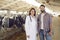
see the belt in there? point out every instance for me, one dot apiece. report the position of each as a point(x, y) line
point(41, 30)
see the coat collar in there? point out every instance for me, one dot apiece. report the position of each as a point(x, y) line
point(44, 12)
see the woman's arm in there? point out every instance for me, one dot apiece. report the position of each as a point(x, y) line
point(27, 26)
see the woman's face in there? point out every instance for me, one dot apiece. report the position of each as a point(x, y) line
point(32, 12)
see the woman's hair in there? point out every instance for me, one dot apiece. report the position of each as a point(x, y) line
point(31, 10)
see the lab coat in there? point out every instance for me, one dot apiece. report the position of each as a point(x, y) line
point(31, 28)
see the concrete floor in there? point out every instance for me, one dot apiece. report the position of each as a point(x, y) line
point(56, 28)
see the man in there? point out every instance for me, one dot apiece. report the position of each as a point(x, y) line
point(44, 24)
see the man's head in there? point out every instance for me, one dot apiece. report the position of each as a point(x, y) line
point(42, 8)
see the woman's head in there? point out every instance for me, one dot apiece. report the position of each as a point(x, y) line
point(32, 12)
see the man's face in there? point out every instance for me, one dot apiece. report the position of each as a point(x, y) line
point(42, 8)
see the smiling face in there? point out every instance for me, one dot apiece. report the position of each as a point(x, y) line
point(32, 12)
point(42, 8)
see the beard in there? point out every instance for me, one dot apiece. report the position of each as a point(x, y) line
point(42, 11)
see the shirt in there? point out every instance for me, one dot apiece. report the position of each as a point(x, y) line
point(42, 15)
point(47, 20)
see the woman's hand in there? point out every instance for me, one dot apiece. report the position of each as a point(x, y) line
point(37, 34)
point(28, 36)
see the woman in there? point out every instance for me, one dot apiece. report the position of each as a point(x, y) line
point(31, 25)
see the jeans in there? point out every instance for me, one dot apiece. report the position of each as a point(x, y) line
point(44, 37)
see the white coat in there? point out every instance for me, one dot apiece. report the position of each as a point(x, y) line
point(31, 27)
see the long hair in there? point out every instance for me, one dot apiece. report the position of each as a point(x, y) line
point(31, 10)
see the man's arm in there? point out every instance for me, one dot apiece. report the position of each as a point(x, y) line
point(50, 22)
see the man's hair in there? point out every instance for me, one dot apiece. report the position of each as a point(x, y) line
point(42, 5)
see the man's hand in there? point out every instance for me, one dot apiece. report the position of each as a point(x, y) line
point(50, 33)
